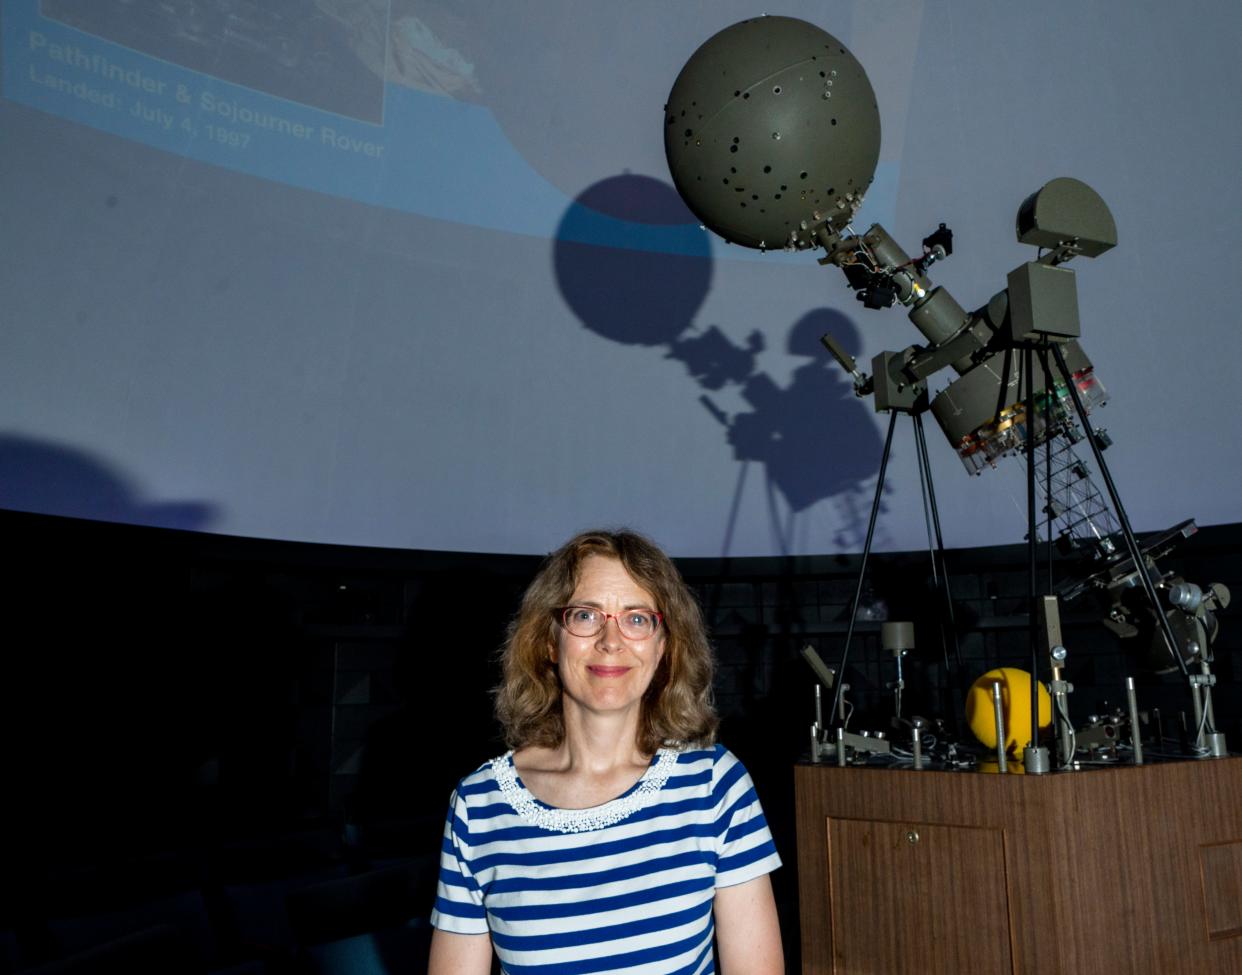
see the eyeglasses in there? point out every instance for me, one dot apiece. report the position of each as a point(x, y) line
point(634, 624)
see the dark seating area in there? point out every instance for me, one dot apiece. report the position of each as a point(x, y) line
point(300, 902)
point(234, 755)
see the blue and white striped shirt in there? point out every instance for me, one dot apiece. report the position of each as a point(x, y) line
point(623, 887)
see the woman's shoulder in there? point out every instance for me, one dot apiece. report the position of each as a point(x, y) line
point(726, 773)
point(714, 755)
point(483, 780)
point(714, 763)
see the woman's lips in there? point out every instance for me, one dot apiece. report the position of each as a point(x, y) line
point(599, 671)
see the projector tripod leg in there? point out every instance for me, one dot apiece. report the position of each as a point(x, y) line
point(1035, 757)
point(862, 568)
point(940, 576)
point(1136, 554)
point(940, 573)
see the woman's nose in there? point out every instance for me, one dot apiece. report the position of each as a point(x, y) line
point(610, 636)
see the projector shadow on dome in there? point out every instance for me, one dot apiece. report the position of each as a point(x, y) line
point(57, 480)
point(813, 438)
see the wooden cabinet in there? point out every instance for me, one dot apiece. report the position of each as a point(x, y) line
point(1122, 869)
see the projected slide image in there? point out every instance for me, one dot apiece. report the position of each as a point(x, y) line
point(328, 54)
point(420, 57)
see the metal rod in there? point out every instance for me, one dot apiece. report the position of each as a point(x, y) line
point(1136, 737)
point(1196, 699)
point(998, 715)
point(1206, 670)
point(1049, 399)
point(1140, 567)
point(1060, 717)
point(862, 568)
point(898, 685)
point(1032, 543)
point(949, 622)
point(921, 459)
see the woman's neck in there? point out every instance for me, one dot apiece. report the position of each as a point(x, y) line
point(597, 760)
point(598, 743)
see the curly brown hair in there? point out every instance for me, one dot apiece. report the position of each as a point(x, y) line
point(677, 707)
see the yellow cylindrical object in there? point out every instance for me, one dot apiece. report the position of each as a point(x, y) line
point(1015, 708)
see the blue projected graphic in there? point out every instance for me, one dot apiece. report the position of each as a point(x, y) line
point(424, 153)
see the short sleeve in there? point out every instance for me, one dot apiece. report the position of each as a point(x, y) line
point(744, 843)
point(459, 900)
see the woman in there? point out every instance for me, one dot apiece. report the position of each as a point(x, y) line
point(614, 833)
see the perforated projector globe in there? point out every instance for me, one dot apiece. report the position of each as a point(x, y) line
point(772, 126)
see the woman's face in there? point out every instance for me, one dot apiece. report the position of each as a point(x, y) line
point(607, 672)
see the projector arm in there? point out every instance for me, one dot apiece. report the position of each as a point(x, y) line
point(883, 274)
point(1065, 216)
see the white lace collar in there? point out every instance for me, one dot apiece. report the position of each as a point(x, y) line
point(582, 820)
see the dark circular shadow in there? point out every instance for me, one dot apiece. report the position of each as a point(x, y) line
point(634, 297)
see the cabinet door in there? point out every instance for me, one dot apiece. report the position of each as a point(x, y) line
point(916, 898)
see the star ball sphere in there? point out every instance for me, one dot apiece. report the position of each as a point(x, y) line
point(771, 127)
